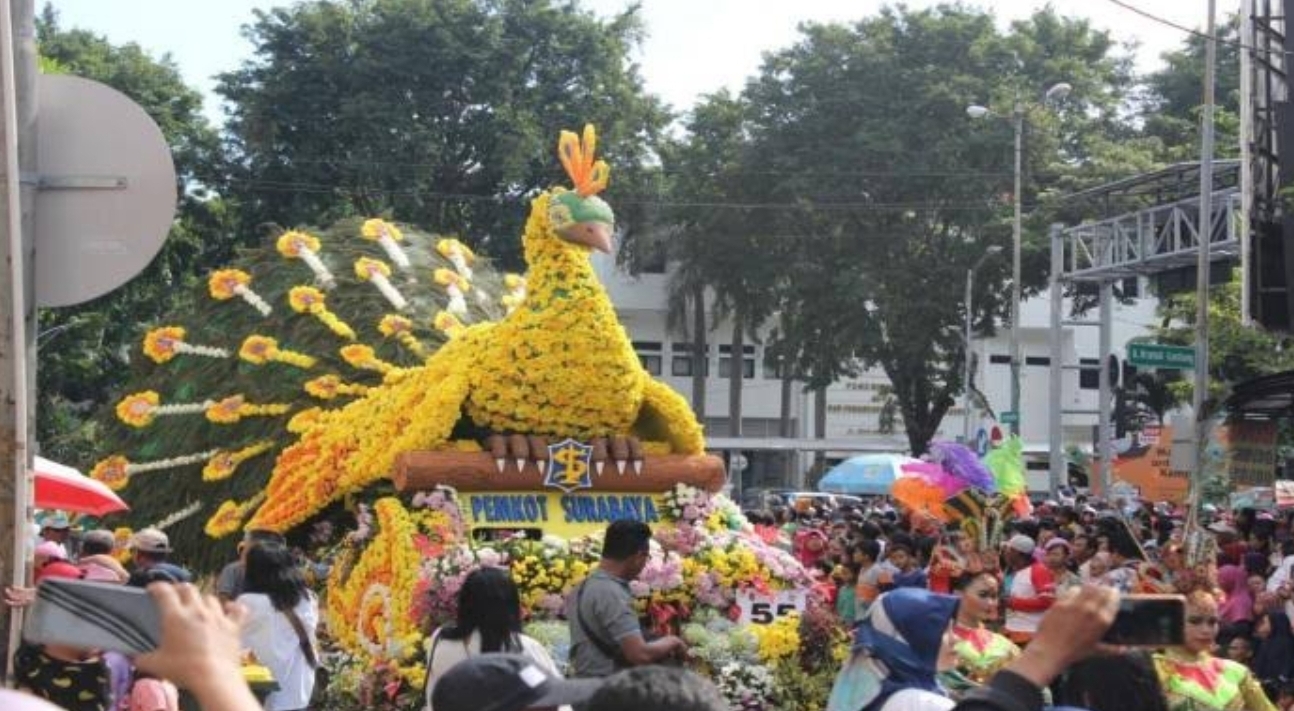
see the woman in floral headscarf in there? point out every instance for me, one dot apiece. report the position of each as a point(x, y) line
point(899, 647)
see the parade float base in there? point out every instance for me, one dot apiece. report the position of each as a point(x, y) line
point(562, 503)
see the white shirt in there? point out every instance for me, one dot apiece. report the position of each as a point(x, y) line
point(271, 637)
point(1281, 575)
point(917, 700)
point(449, 652)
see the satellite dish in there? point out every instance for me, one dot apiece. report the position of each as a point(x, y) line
point(107, 191)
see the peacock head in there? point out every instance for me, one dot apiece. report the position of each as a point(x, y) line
point(579, 216)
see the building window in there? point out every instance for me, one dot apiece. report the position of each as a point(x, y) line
point(649, 354)
point(651, 363)
point(747, 362)
point(1000, 359)
point(1131, 287)
point(1037, 360)
point(772, 368)
point(1089, 378)
point(681, 360)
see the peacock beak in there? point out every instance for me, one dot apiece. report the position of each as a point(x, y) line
point(593, 234)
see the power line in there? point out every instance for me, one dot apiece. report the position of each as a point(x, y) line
point(1192, 31)
point(810, 175)
point(272, 186)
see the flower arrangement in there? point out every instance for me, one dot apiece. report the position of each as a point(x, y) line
point(691, 593)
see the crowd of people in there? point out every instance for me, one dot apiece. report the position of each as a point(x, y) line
point(940, 619)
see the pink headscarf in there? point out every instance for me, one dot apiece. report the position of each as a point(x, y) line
point(1239, 604)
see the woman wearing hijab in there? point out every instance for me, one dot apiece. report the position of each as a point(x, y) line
point(1274, 662)
point(1236, 612)
point(899, 646)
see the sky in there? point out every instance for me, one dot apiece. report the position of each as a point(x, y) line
point(693, 46)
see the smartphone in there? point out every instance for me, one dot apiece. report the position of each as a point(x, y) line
point(93, 615)
point(1149, 621)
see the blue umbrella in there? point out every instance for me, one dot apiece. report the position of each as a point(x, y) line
point(866, 475)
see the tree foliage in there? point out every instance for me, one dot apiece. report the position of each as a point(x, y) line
point(439, 112)
point(889, 193)
point(85, 348)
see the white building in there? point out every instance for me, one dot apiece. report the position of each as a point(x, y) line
point(853, 406)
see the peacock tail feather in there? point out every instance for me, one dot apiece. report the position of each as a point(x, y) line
point(291, 332)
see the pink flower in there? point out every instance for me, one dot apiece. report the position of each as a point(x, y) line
point(691, 513)
point(639, 589)
point(489, 557)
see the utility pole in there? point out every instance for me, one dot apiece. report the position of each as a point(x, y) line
point(1205, 233)
point(18, 76)
point(1017, 238)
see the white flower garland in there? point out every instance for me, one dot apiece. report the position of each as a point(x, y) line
point(254, 299)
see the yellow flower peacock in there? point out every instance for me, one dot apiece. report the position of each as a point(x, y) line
point(337, 351)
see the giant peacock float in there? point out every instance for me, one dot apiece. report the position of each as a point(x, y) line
point(380, 379)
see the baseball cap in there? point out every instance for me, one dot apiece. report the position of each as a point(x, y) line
point(1021, 543)
point(1222, 527)
point(1057, 543)
point(506, 682)
point(57, 520)
point(150, 540)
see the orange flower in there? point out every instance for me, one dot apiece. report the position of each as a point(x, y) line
point(294, 242)
point(138, 409)
point(224, 283)
point(160, 343)
point(113, 471)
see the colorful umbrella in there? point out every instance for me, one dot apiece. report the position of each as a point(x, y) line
point(867, 475)
point(66, 489)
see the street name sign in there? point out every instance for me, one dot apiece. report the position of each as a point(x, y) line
point(1154, 355)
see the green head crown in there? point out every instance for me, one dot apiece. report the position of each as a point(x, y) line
point(579, 215)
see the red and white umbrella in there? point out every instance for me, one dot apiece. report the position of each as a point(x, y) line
point(63, 488)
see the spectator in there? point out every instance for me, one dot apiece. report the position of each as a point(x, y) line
point(229, 584)
point(489, 621)
point(1031, 590)
point(1056, 558)
point(1237, 609)
point(1241, 649)
point(654, 688)
point(605, 632)
point(282, 615)
point(1273, 663)
point(73, 678)
point(507, 682)
point(846, 577)
point(898, 649)
point(866, 554)
point(909, 574)
point(1113, 682)
point(56, 528)
point(1191, 675)
point(150, 549)
point(96, 559)
point(1093, 571)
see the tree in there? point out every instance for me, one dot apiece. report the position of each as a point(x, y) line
point(440, 112)
point(1172, 107)
point(1237, 351)
point(886, 185)
point(84, 348)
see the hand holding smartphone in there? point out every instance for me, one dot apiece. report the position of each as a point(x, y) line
point(92, 615)
point(1148, 621)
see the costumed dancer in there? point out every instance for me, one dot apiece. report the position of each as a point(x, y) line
point(979, 652)
point(1195, 680)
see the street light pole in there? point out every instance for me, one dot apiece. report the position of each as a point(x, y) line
point(1016, 248)
point(1055, 92)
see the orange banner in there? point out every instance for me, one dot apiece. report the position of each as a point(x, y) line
point(1144, 464)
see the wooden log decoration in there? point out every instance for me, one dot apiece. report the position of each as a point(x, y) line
point(477, 471)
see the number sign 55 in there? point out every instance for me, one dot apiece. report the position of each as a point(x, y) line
point(762, 609)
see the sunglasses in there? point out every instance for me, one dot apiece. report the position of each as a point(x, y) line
point(1201, 620)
